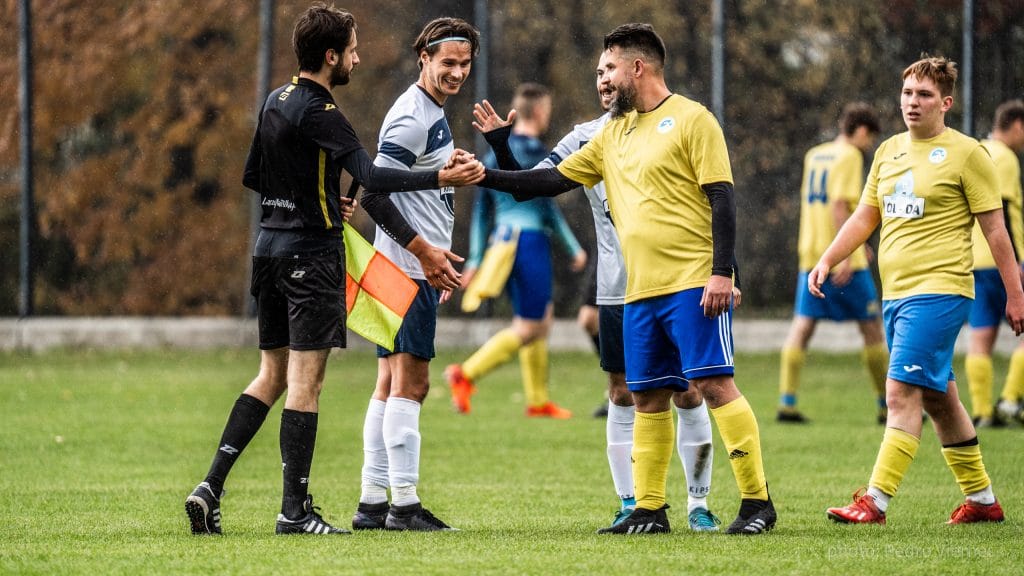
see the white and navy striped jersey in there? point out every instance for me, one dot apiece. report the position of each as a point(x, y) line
point(611, 270)
point(415, 136)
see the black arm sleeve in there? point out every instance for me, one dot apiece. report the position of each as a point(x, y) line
point(1009, 229)
point(736, 273)
point(377, 178)
point(498, 139)
point(377, 197)
point(528, 184)
point(384, 212)
point(723, 227)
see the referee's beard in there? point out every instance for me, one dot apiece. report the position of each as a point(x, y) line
point(339, 75)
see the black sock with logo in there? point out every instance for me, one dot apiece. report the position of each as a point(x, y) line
point(298, 437)
point(243, 423)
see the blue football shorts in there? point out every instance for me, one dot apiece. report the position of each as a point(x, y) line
point(921, 332)
point(989, 307)
point(529, 283)
point(416, 336)
point(669, 341)
point(858, 300)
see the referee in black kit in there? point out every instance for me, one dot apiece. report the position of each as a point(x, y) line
point(302, 143)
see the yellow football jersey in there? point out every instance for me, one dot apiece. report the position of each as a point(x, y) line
point(1008, 173)
point(927, 192)
point(653, 165)
point(833, 172)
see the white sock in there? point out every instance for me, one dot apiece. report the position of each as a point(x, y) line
point(693, 442)
point(375, 456)
point(986, 496)
point(881, 498)
point(402, 438)
point(404, 495)
point(619, 431)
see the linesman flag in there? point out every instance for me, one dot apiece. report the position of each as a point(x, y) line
point(377, 292)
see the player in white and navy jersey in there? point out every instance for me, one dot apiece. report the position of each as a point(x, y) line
point(415, 136)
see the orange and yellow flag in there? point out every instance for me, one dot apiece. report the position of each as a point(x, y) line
point(377, 292)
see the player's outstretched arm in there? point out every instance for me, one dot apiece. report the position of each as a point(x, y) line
point(855, 231)
point(527, 184)
point(994, 228)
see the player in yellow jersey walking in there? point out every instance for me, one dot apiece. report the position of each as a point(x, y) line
point(666, 170)
point(1006, 141)
point(832, 180)
point(926, 188)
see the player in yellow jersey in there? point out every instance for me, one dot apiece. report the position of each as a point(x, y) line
point(832, 180)
point(1005, 142)
point(926, 188)
point(666, 170)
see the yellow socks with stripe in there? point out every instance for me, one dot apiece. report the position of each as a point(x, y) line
point(493, 353)
point(738, 428)
point(876, 360)
point(979, 382)
point(1014, 388)
point(653, 442)
point(533, 362)
point(894, 457)
point(967, 467)
point(790, 364)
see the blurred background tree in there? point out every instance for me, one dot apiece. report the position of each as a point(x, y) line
point(144, 113)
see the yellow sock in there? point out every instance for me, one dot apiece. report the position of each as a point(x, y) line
point(894, 458)
point(967, 467)
point(738, 427)
point(876, 359)
point(1014, 388)
point(493, 353)
point(653, 441)
point(533, 361)
point(791, 361)
point(979, 382)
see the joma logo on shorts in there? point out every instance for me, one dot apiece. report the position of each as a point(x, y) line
point(298, 274)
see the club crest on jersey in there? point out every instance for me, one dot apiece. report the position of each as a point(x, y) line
point(666, 125)
point(937, 155)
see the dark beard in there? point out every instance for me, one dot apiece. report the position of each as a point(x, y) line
point(624, 101)
point(340, 76)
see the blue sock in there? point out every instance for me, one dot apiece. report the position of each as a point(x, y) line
point(788, 400)
point(628, 503)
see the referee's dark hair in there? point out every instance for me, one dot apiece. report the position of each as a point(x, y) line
point(638, 37)
point(319, 29)
point(857, 114)
point(437, 30)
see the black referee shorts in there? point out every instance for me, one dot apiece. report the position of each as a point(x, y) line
point(300, 301)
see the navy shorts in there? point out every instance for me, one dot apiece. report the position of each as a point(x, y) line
point(416, 336)
point(613, 355)
point(529, 284)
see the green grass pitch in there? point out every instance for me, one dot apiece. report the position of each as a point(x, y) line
point(99, 449)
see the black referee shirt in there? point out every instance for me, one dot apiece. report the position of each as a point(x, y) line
point(295, 159)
